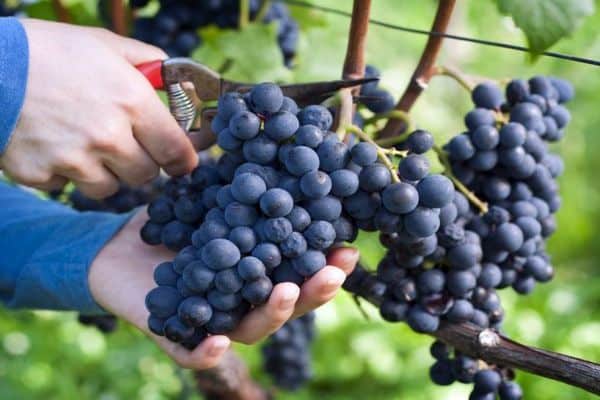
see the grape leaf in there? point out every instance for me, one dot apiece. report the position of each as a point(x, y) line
point(252, 54)
point(544, 22)
point(81, 12)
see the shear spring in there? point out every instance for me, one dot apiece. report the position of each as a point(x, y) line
point(181, 106)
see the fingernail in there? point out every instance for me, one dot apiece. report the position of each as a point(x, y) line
point(218, 347)
point(335, 281)
point(288, 300)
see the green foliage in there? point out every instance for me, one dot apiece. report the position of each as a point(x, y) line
point(544, 22)
point(252, 52)
point(82, 12)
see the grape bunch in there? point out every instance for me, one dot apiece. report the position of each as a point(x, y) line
point(6, 10)
point(372, 96)
point(508, 165)
point(124, 200)
point(452, 275)
point(286, 353)
point(284, 191)
point(175, 25)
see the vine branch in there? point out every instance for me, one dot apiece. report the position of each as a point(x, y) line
point(354, 62)
point(491, 346)
point(119, 17)
point(62, 13)
point(424, 70)
point(230, 380)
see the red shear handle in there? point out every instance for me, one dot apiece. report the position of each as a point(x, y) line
point(152, 70)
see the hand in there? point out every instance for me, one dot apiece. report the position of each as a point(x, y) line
point(89, 116)
point(121, 275)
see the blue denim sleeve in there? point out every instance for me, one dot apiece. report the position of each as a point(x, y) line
point(46, 250)
point(14, 64)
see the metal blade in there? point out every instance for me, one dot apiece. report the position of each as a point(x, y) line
point(303, 93)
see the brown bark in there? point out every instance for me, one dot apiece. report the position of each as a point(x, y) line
point(230, 380)
point(424, 70)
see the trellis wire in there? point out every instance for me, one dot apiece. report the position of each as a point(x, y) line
point(484, 42)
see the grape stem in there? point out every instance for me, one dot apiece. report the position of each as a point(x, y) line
point(397, 114)
point(424, 70)
point(457, 75)
point(244, 17)
point(493, 347)
point(382, 153)
point(443, 157)
point(262, 11)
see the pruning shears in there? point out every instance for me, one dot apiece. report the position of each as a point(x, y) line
point(170, 74)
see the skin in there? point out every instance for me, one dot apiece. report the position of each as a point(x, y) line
point(120, 286)
point(89, 116)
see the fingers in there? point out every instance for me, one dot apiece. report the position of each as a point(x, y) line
point(98, 183)
point(323, 286)
point(159, 134)
point(134, 51)
point(269, 317)
point(345, 258)
point(132, 164)
point(55, 183)
point(206, 355)
point(319, 289)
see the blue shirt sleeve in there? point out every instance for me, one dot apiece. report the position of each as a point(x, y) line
point(14, 65)
point(46, 250)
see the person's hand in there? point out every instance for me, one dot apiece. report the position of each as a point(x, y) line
point(89, 116)
point(121, 275)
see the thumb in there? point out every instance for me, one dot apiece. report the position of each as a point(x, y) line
point(134, 51)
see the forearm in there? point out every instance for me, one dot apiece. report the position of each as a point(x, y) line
point(46, 250)
point(14, 62)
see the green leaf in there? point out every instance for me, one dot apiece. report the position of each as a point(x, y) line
point(307, 17)
point(252, 53)
point(545, 22)
point(82, 12)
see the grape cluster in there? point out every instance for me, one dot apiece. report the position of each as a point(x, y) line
point(181, 207)
point(451, 366)
point(286, 353)
point(174, 27)
point(372, 96)
point(284, 191)
point(507, 164)
point(7, 10)
point(452, 275)
point(124, 200)
point(104, 323)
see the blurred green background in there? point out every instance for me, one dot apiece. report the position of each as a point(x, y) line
point(47, 355)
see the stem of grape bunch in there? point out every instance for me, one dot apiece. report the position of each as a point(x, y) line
point(457, 75)
point(382, 153)
point(425, 68)
point(443, 157)
point(244, 18)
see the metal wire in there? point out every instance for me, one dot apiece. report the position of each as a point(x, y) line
point(492, 43)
